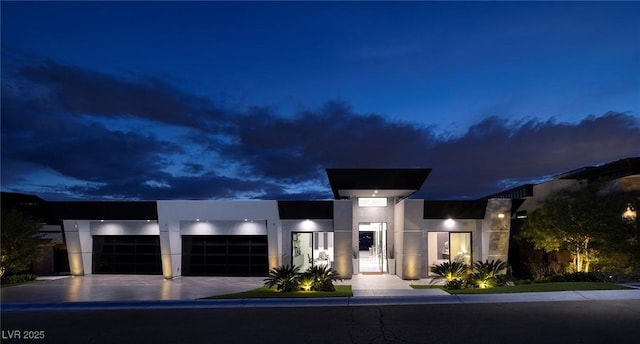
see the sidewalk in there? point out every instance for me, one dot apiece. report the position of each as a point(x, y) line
point(151, 292)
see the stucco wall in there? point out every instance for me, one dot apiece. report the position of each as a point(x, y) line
point(343, 237)
point(172, 213)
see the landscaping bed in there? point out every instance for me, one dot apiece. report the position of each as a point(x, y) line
point(265, 292)
point(530, 288)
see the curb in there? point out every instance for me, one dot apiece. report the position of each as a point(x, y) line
point(585, 295)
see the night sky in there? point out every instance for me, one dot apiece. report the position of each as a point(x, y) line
point(239, 100)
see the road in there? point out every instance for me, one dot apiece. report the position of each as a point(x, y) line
point(611, 321)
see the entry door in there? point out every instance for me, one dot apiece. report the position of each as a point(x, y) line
point(373, 247)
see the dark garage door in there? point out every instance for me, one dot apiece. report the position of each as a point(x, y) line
point(224, 255)
point(127, 254)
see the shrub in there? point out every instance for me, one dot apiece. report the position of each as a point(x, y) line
point(288, 278)
point(15, 279)
point(487, 272)
point(306, 281)
point(449, 271)
point(323, 277)
point(575, 277)
point(284, 277)
point(455, 284)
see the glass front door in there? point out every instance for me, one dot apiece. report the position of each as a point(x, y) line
point(372, 247)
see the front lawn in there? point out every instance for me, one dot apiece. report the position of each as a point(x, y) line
point(529, 288)
point(264, 292)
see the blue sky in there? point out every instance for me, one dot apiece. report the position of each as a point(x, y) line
point(147, 100)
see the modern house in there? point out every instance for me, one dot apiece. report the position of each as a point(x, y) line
point(620, 176)
point(372, 226)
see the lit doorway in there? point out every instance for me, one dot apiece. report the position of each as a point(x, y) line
point(372, 247)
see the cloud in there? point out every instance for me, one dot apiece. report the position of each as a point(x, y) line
point(79, 91)
point(333, 136)
point(73, 123)
point(496, 150)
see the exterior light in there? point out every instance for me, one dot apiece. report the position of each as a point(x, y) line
point(630, 213)
point(501, 216)
point(197, 220)
point(306, 286)
point(449, 223)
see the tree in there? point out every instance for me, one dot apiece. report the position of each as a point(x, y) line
point(20, 242)
point(584, 221)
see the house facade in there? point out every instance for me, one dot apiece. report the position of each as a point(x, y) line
point(371, 227)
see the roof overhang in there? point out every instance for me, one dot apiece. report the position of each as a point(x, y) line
point(365, 182)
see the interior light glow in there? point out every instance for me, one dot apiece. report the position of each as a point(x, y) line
point(372, 201)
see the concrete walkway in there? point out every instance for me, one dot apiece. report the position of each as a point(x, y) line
point(132, 292)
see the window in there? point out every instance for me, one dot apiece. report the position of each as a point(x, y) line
point(311, 248)
point(372, 202)
point(449, 247)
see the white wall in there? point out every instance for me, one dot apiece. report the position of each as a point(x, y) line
point(176, 215)
point(343, 237)
point(411, 258)
point(79, 236)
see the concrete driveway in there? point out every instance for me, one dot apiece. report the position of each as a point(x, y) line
point(125, 288)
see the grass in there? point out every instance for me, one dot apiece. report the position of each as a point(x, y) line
point(264, 292)
point(6, 285)
point(530, 288)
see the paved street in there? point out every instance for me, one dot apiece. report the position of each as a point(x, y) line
point(610, 321)
point(384, 309)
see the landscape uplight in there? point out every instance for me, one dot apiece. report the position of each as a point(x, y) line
point(630, 213)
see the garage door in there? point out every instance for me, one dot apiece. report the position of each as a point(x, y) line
point(126, 254)
point(224, 255)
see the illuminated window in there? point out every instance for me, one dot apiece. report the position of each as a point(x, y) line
point(311, 249)
point(449, 247)
point(372, 202)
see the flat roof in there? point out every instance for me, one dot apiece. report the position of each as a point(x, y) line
point(474, 209)
point(104, 210)
point(364, 182)
point(300, 210)
point(612, 170)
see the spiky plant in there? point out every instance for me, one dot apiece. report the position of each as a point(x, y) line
point(306, 281)
point(449, 271)
point(284, 277)
point(485, 273)
point(323, 277)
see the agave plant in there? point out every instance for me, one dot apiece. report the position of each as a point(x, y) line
point(284, 277)
point(323, 277)
point(486, 273)
point(449, 271)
